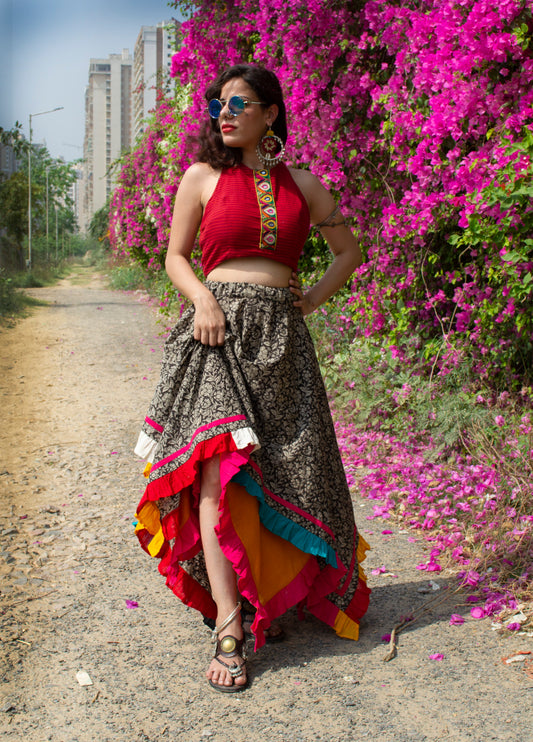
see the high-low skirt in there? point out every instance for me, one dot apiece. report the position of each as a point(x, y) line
point(285, 517)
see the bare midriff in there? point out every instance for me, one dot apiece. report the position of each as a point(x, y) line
point(262, 271)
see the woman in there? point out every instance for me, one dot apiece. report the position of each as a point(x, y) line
point(247, 497)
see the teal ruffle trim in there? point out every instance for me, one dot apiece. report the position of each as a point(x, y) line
point(282, 526)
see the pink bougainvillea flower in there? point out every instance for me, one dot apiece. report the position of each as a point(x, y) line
point(514, 626)
point(437, 657)
point(477, 612)
point(435, 114)
point(456, 619)
point(132, 604)
point(386, 533)
point(385, 638)
point(472, 578)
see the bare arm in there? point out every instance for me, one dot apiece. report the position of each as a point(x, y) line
point(209, 320)
point(342, 243)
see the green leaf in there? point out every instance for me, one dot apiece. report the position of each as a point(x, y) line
point(513, 257)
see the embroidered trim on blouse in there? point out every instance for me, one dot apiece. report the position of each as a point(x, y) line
point(267, 210)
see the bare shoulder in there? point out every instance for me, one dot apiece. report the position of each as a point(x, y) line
point(199, 180)
point(306, 181)
point(199, 172)
point(319, 199)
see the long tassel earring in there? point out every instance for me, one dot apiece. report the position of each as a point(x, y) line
point(270, 149)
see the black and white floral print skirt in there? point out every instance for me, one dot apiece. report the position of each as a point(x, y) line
point(257, 403)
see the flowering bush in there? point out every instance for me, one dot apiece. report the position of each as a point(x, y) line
point(148, 178)
point(475, 510)
point(414, 116)
point(417, 116)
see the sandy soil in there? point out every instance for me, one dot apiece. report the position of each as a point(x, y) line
point(76, 378)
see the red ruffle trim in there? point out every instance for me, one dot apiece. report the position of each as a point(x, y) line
point(185, 475)
point(310, 586)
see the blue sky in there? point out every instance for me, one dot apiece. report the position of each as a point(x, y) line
point(45, 48)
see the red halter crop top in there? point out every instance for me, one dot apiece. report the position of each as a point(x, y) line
point(254, 213)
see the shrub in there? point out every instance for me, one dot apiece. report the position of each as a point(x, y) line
point(11, 301)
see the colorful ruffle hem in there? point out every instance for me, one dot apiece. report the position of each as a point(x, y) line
point(286, 515)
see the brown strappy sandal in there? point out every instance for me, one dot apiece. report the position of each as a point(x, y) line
point(229, 647)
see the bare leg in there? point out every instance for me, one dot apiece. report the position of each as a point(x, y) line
point(219, 570)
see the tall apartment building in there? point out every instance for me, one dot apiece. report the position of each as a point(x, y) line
point(108, 128)
point(8, 161)
point(153, 52)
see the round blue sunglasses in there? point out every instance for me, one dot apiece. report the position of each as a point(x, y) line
point(236, 105)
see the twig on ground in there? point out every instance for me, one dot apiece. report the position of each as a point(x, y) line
point(414, 616)
point(29, 598)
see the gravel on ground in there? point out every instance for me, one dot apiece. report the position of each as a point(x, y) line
point(94, 646)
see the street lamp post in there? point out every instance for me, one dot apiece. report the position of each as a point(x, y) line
point(57, 236)
point(47, 169)
point(32, 115)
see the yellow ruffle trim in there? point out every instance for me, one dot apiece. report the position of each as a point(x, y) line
point(344, 626)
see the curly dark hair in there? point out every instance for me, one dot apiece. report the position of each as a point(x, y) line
point(266, 86)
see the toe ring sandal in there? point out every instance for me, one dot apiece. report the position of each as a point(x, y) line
point(229, 647)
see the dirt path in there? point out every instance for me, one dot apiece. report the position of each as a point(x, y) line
point(75, 380)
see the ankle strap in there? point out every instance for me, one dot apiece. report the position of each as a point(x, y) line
point(226, 622)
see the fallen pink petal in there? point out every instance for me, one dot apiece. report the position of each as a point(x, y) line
point(456, 620)
point(429, 155)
